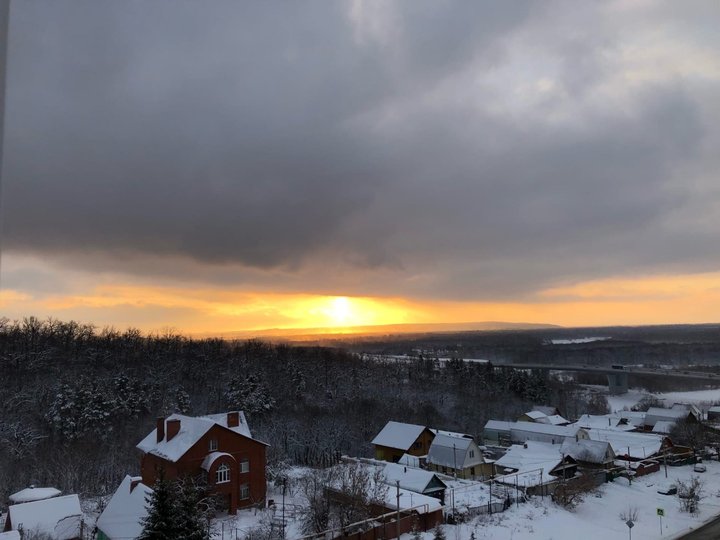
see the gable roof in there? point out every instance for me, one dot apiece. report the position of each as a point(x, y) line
point(449, 451)
point(398, 435)
point(532, 461)
point(192, 429)
point(634, 445)
point(588, 450)
point(663, 426)
point(123, 515)
point(416, 480)
point(59, 517)
point(547, 409)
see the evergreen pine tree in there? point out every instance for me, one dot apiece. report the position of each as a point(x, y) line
point(162, 507)
point(439, 534)
point(190, 519)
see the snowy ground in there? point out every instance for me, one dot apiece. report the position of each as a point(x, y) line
point(701, 398)
point(599, 517)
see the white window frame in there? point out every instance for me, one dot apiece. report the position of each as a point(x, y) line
point(222, 474)
point(213, 445)
point(245, 466)
point(244, 492)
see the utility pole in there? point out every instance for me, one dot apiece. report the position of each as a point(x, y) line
point(397, 523)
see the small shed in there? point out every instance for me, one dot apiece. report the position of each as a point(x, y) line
point(59, 518)
point(124, 513)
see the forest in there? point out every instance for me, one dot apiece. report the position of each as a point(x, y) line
point(75, 399)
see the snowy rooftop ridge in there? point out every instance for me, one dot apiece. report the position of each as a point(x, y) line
point(123, 515)
point(192, 429)
point(398, 435)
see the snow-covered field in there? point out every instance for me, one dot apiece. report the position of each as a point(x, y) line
point(598, 517)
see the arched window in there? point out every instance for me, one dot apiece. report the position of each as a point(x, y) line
point(222, 474)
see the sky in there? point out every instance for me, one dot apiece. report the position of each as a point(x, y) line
point(218, 166)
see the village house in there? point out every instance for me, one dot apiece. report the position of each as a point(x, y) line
point(397, 439)
point(504, 433)
point(459, 456)
point(219, 447)
point(122, 518)
point(535, 467)
point(59, 518)
point(679, 412)
point(589, 454)
point(612, 422)
point(542, 418)
point(632, 446)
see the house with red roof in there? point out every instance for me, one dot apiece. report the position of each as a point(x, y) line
point(217, 447)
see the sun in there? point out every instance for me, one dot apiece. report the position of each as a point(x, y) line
point(340, 310)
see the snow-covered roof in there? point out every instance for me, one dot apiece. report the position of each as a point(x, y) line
point(499, 425)
point(123, 515)
point(588, 450)
point(210, 459)
point(398, 435)
point(532, 462)
point(192, 429)
point(410, 461)
point(417, 480)
point(535, 415)
point(603, 421)
point(422, 504)
point(663, 426)
point(556, 420)
point(33, 493)
point(548, 410)
point(636, 445)
point(448, 451)
point(636, 418)
point(655, 414)
point(10, 535)
point(546, 429)
point(716, 409)
point(59, 517)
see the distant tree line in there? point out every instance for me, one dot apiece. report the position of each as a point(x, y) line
point(75, 399)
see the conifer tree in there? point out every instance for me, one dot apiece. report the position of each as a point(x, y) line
point(190, 518)
point(162, 506)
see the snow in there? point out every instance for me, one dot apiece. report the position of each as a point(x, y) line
point(636, 445)
point(59, 517)
point(416, 480)
point(663, 426)
point(210, 459)
point(577, 340)
point(589, 451)
point(532, 463)
point(610, 422)
point(398, 435)
point(34, 494)
point(599, 518)
point(122, 517)
point(11, 535)
point(696, 396)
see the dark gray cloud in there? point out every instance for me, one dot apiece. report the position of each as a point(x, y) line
point(464, 150)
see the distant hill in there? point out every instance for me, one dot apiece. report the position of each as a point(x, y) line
point(309, 334)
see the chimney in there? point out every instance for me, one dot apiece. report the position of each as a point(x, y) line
point(233, 419)
point(133, 483)
point(160, 429)
point(525, 445)
point(173, 428)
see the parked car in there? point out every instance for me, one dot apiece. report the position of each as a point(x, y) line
point(667, 489)
point(699, 467)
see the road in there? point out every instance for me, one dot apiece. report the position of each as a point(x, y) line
point(629, 370)
point(709, 531)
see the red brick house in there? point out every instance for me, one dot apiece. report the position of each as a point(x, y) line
point(218, 447)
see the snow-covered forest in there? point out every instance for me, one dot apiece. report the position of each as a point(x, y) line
point(75, 400)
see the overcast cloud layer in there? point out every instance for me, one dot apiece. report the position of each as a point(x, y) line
point(464, 150)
